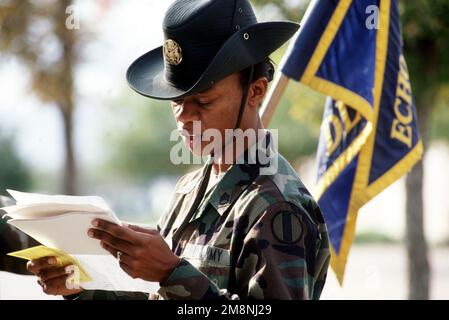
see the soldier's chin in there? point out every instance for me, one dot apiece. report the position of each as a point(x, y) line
point(203, 150)
point(195, 147)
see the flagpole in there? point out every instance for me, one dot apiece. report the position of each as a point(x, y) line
point(273, 97)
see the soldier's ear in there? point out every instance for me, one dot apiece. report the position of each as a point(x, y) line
point(257, 92)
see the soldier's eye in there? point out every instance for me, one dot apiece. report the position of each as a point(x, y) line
point(204, 104)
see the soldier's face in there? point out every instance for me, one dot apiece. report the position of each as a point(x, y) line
point(216, 108)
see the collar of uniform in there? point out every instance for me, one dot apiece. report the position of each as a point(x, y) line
point(193, 184)
point(240, 175)
point(190, 191)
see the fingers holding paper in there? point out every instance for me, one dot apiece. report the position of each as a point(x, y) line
point(37, 265)
point(111, 239)
point(144, 253)
point(59, 281)
point(54, 280)
point(125, 260)
point(53, 273)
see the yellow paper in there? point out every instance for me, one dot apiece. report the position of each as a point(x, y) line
point(62, 259)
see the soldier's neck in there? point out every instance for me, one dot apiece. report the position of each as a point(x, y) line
point(222, 163)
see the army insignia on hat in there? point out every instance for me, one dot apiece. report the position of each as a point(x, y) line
point(287, 227)
point(172, 52)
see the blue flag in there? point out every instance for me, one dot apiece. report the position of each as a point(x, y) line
point(352, 52)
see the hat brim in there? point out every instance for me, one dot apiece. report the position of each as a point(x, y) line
point(146, 74)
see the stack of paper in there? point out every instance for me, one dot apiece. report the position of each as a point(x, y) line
point(61, 223)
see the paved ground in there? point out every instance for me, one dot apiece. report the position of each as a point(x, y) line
point(379, 272)
point(374, 272)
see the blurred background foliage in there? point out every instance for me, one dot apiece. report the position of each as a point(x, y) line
point(34, 33)
point(13, 172)
point(140, 150)
point(439, 121)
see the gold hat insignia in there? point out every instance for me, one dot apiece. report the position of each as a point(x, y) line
point(172, 52)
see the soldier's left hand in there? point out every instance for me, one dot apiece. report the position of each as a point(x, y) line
point(144, 253)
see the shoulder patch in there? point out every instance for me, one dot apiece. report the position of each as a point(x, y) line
point(287, 227)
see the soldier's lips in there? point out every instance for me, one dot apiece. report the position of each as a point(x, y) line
point(188, 135)
point(189, 138)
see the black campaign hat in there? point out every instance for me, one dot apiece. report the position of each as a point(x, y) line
point(205, 41)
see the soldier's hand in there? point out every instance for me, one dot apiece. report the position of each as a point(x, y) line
point(143, 254)
point(53, 279)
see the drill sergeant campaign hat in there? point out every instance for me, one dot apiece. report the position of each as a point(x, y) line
point(205, 41)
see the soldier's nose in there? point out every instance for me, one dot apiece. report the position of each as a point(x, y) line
point(186, 113)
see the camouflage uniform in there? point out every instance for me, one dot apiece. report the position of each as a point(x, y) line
point(252, 237)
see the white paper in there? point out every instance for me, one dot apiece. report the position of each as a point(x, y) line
point(24, 198)
point(67, 232)
point(62, 222)
point(44, 210)
point(107, 275)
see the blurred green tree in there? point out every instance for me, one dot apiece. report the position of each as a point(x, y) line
point(140, 142)
point(292, 10)
point(426, 40)
point(439, 119)
point(39, 34)
point(13, 172)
